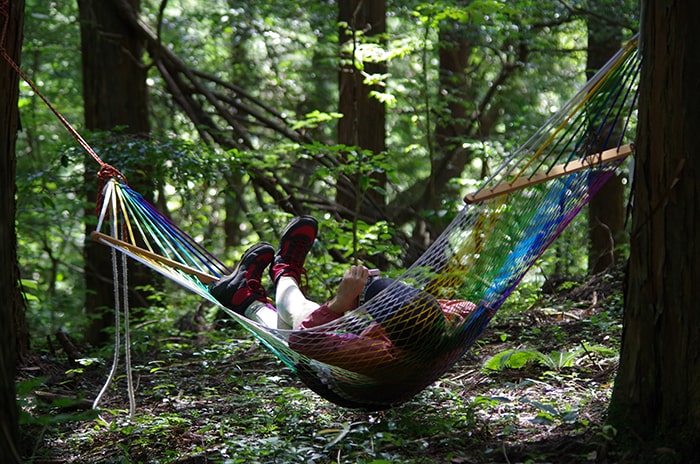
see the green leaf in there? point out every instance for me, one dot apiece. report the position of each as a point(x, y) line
point(315, 119)
point(511, 359)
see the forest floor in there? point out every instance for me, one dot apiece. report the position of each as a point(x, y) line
point(220, 397)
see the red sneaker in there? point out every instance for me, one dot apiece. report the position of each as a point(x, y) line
point(296, 242)
point(239, 289)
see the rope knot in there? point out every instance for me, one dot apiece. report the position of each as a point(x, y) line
point(104, 175)
point(108, 172)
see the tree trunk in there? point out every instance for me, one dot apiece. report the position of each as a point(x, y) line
point(656, 398)
point(13, 327)
point(606, 211)
point(364, 117)
point(115, 96)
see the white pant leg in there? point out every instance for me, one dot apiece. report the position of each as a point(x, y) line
point(292, 306)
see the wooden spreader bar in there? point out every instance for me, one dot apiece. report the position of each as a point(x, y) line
point(109, 240)
point(558, 170)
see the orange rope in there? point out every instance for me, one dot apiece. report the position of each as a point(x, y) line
point(106, 170)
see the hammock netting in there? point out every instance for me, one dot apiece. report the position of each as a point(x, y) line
point(437, 308)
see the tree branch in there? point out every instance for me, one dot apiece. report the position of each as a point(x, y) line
point(228, 109)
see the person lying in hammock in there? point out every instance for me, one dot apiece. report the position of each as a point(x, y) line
point(407, 322)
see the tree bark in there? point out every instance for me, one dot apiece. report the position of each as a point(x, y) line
point(364, 117)
point(115, 99)
point(656, 398)
point(606, 211)
point(13, 327)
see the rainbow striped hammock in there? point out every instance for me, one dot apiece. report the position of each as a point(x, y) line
point(480, 257)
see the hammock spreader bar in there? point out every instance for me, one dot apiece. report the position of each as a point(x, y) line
point(116, 243)
point(613, 154)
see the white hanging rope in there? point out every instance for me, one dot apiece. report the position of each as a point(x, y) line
point(127, 339)
point(120, 300)
point(117, 334)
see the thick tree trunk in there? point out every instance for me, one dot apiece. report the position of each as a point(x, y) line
point(13, 327)
point(115, 96)
point(364, 117)
point(606, 211)
point(656, 398)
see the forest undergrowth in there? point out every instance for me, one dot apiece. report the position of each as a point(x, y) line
point(534, 389)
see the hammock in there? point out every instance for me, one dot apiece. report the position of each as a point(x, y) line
point(437, 308)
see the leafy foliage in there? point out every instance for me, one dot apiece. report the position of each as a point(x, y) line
point(285, 55)
point(555, 360)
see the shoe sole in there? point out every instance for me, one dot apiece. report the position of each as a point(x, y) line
point(298, 223)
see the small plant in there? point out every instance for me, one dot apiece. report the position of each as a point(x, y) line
point(555, 360)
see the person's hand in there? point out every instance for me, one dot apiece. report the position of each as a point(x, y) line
point(349, 289)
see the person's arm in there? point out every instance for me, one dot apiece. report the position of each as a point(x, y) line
point(344, 300)
point(346, 350)
point(349, 289)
